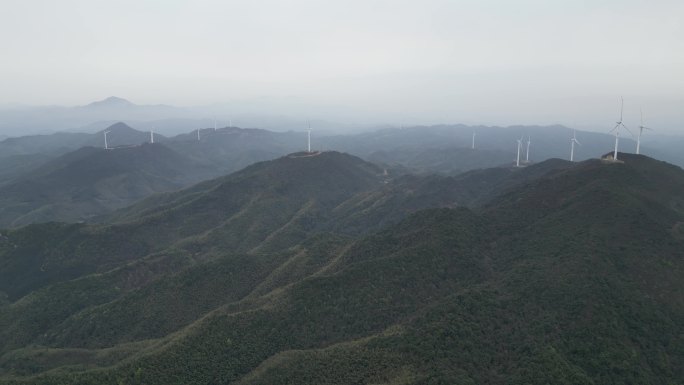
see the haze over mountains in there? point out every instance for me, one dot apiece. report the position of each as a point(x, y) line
point(442, 149)
point(322, 269)
point(170, 120)
point(403, 256)
point(350, 192)
point(399, 255)
point(21, 121)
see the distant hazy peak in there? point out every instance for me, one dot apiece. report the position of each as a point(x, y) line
point(120, 126)
point(111, 101)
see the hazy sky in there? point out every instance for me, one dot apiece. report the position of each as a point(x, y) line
point(479, 61)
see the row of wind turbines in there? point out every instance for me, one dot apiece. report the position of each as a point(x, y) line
point(574, 141)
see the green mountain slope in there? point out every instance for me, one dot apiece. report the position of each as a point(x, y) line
point(267, 203)
point(572, 276)
point(92, 181)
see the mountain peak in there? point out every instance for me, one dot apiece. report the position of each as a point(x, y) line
point(120, 126)
point(111, 101)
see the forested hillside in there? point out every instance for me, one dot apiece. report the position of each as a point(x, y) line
point(324, 270)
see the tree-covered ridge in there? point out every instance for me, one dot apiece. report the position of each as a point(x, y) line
point(573, 276)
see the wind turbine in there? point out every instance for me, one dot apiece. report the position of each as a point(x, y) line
point(152, 135)
point(527, 156)
point(473, 145)
point(619, 124)
point(641, 130)
point(105, 135)
point(309, 138)
point(573, 141)
point(198, 136)
point(517, 159)
point(214, 124)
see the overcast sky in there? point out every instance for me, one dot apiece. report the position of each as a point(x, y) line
point(480, 61)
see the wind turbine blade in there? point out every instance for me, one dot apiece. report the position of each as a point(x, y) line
point(622, 107)
point(630, 132)
point(577, 141)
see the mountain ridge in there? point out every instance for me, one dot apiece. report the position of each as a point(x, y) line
point(111, 101)
point(92, 181)
point(560, 279)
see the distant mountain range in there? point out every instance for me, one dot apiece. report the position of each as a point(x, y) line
point(423, 150)
point(49, 119)
point(413, 147)
point(313, 269)
point(18, 120)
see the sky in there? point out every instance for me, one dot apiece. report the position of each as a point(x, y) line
point(357, 61)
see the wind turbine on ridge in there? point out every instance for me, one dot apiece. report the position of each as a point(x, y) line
point(308, 142)
point(105, 136)
point(573, 141)
point(152, 135)
point(641, 130)
point(619, 124)
point(527, 156)
point(517, 159)
point(473, 145)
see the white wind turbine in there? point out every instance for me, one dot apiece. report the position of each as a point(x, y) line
point(308, 142)
point(105, 136)
point(517, 160)
point(198, 136)
point(152, 135)
point(527, 156)
point(473, 145)
point(641, 130)
point(619, 124)
point(573, 141)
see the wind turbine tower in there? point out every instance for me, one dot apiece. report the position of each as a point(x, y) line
point(105, 135)
point(152, 135)
point(308, 142)
point(527, 156)
point(641, 130)
point(198, 136)
point(473, 145)
point(573, 141)
point(517, 159)
point(619, 124)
